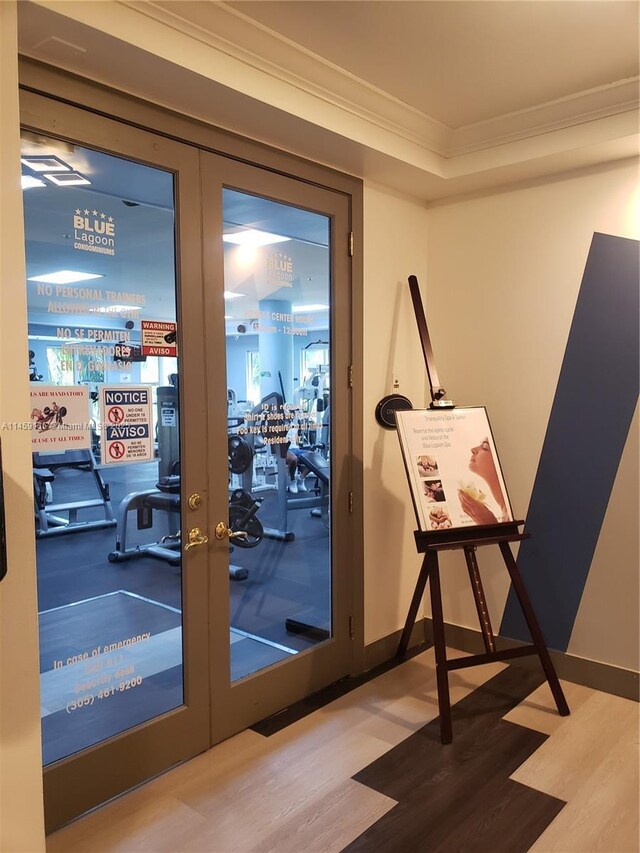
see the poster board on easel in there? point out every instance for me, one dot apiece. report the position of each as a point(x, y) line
point(453, 468)
point(461, 502)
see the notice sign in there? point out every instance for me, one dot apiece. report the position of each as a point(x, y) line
point(159, 338)
point(126, 424)
point(59, 418)
point(453, 468)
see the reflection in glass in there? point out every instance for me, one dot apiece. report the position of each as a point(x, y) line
point(106, 455)
point(277, 309)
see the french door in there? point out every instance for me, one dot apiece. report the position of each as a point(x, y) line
point(277, 303)
point(112, 245)
point(189, 347)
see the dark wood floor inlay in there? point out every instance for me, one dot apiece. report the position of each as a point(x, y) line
point(459, 797)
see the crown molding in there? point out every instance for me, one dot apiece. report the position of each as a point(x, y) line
point(601, 102)
point(250, 42)
point(247, 41)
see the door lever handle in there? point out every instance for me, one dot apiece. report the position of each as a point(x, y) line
point(196, 537)
point(223, 531)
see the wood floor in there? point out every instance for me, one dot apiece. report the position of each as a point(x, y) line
point(366, 772)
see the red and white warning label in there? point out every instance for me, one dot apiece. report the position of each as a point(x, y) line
point(159, 338)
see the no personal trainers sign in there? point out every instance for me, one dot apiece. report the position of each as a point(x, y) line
point(126, 424)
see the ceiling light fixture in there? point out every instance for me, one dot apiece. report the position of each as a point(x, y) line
point(68, 179)
point(46, 164)
point(307, 309)
point(65, 277)
point(28, 182)
point(253, 237)
point(229, 294)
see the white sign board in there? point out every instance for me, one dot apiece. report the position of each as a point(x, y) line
point(126, 424)
point(453, 468)
point(59, 418)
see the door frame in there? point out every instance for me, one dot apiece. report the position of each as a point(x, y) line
point(66, 87)
point(237, 705)
point(124, 760)
point(60, 88)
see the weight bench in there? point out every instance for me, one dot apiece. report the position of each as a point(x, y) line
point(317, 464)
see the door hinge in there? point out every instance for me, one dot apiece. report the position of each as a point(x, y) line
point(350, 376)
point(350, 244)
point(350, 501)
point(352, 635)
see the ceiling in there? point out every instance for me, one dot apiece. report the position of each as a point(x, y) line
point(138, 200)
point(432, 98)
point(463, 62)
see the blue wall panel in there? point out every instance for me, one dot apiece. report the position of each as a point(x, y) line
point(586, 434)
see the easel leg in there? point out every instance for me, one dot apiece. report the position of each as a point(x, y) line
point(478, 595)
point(442, 676)
point(403, 645)
point(534, 629)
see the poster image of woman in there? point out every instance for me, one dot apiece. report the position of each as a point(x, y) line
point(473, 503)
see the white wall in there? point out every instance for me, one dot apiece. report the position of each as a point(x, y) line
point(21, 819)
point(394, 247)
point(504, 271)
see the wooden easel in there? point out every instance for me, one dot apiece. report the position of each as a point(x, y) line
point(468, 540)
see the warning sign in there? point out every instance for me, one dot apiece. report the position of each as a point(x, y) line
point(59, 418)
point(116, 450)
point(159, 338)
point(127, 424)
point(116, 415)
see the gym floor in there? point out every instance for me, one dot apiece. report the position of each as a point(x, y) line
point(367, 772)
point(125, 599)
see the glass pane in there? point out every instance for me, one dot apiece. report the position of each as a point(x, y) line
point(101, 295)
point(277, 301)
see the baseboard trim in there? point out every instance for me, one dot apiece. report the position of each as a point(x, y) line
point(383, 650)
point(589, 673)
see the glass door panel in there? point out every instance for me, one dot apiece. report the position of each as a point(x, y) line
point(277, 282)
point(115, 355)
point(276, 257)
point(101, 296)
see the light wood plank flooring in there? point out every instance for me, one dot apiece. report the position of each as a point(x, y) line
point(294, 791)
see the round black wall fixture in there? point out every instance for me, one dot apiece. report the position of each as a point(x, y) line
point(387, 408)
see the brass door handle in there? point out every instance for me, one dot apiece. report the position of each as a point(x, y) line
point(223, 531)
point(196, 537)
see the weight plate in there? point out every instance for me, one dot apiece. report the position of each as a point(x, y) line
point(240, 455)
point(252, 527)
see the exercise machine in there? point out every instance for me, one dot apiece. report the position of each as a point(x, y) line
point(269, 420)
point(165, 498)
point(49, 522)
point(316, 499)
